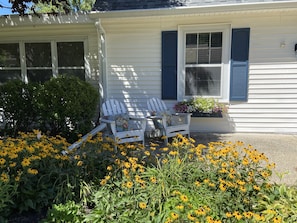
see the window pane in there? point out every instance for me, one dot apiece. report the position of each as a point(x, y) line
point(191, 40)
point(70, 54)
point(71, 72)
point(38, 54)
point(216, 40)
point(8, 75)
point(203, 56)
point(203, 81)
point(39, 76)
point(216, 56)
point(203, 40)
point(9, 55)
point(191, 56)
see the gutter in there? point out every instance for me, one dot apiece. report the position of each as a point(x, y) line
point(210, 9)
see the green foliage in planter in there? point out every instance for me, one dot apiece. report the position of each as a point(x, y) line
point(199, 104)
point(67, 106)
point(18, 101)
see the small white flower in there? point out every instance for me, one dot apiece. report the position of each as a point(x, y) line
point(38, 135)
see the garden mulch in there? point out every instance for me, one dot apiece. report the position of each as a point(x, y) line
point(28, 217)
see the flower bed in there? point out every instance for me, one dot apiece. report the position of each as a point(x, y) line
point(184, 182)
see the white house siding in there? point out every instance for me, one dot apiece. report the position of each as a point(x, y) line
point(272, 101)
point(133, 62)
point(134, 67)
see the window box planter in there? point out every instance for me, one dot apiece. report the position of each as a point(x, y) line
point(202, 107)
point(198, 114)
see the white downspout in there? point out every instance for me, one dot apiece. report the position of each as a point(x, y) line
point(102, 61)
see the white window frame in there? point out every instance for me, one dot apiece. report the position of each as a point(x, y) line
point(225, 72)
point(53, 42)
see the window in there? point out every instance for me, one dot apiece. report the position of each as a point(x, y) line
point(38, 61)
point(43, 60)
point(10, 67)
point(203, 64)
point(203, 61)
point(67, 63)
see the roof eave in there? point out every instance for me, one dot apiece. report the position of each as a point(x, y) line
point(214, 9)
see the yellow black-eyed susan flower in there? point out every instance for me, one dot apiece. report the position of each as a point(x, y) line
point(184, 198)
point(129, 184)
point(4, 177)
point(174, 215)
point(32, 171)
point(2, 161)
point(26, 162)
point(142, 205)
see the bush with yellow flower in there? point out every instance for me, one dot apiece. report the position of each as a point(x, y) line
point(183, 182)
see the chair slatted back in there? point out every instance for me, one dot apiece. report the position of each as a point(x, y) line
point(113, 107)
point(157, 105)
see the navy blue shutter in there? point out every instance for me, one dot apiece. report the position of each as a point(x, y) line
point(239, 64)
point(169, 65)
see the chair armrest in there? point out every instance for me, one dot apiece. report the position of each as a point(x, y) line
point(111, 124)
point(107, 121)
point(187, 116)
point(154, 117)
point(136, 118)
point(182, 114)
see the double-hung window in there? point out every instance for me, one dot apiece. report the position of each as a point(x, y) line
point(38, 61)
point(203, 61)
point(10, 66)
point(42, 60)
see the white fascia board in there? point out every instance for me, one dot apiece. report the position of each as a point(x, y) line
point(44, 19)
point(203, 10)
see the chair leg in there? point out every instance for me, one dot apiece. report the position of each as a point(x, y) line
point(166, 140)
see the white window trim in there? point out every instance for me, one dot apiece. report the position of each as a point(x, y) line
point(226, 46)
point(53, 41)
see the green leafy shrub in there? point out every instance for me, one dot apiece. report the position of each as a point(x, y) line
point(67, 106)
point(62, 106)
point(18, 101)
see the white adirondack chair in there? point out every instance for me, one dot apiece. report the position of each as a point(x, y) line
point(115, 113)
point(160, 113)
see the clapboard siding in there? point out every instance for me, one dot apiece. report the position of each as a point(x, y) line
point(134, 68)
point(272, 101)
